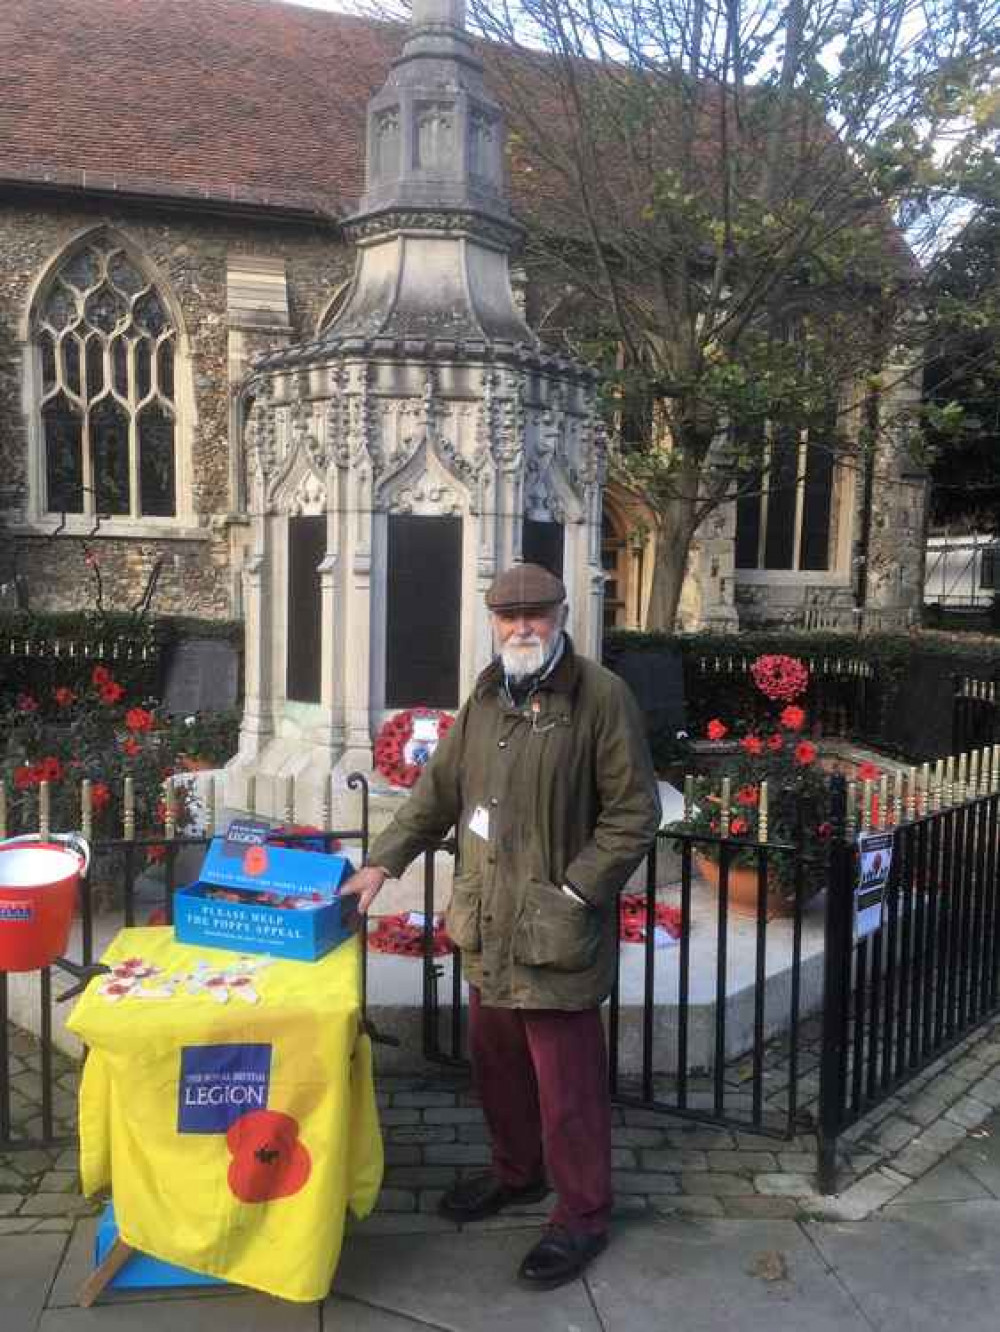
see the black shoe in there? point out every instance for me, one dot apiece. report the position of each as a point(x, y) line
point(479, 1196)
point(559, 1256)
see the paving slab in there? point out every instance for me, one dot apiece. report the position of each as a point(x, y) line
point(341, 1315)
point(250, 1313)
point(947, 1182)
point(981, 1158)
point(465, 1285)
point(753, 1276)
point(923, 1267)
point(28, 1265)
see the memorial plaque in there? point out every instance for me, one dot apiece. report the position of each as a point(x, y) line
point(423, 611)
point(202, 675)
point(657, 681)
point(542, 543)
point(306, 550)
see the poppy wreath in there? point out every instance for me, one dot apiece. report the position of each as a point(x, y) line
point(779, 677)
point(398, 935)
point(632, 918)
point(392, 739)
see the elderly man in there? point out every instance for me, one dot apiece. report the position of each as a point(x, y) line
point(547, 779)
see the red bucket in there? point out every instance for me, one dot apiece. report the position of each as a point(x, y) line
point(38, 883)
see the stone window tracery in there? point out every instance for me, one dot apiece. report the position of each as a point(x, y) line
point(107, 347)
point(784, 518)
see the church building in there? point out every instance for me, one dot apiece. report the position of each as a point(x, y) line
point(182, 190)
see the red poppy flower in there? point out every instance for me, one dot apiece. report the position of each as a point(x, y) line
point(738, 827)
point(805, 753)
point(752, 745)
point(50, 769)
point(138, 719)
point(27, 703)
point(100, 676)
point(775, 742)
point(793, 718)
point(131, 746)
point(748, 796)
point(112, 692)
point(24, 778)
point(716, 730)
point(868, 772)
point(64, 696)
point(100, 796)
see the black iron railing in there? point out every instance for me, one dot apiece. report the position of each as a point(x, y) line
point(719, 1026)
point(975, 713)
point(899, 998)
point(709, 1057)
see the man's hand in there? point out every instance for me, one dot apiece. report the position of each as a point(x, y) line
point(365, 885)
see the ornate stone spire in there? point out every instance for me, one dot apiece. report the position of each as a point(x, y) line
point(435, 138)
point(434, 228)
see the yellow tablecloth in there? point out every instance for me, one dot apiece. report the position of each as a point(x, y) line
point(261, 1204)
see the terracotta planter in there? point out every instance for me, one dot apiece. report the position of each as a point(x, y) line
point(742, 888)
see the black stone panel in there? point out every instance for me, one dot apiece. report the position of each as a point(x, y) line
point(543, 543)
point(306, 549)
point(423, 611)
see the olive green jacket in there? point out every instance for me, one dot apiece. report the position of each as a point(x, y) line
point(563, 788)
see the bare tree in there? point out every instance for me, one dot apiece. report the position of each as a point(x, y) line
point(714, 188)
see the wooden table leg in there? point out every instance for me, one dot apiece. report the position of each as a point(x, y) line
point(114, 1260)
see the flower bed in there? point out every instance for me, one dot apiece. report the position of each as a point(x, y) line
point(95, 732)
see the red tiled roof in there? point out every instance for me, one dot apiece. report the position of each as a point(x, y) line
point(238, 100)
point(250, 102)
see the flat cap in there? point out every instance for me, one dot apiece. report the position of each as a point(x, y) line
point(525, 585)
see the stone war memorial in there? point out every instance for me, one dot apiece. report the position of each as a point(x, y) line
point(398, 462)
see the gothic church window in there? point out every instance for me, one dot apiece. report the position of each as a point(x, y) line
point(107, 347)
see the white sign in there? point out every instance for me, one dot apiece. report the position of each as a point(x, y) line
point(423, 742)
point(874, 863)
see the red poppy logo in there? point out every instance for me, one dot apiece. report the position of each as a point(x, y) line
point(268, 1160)
point(255, 860)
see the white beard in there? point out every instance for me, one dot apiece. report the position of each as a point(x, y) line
point(527, 656)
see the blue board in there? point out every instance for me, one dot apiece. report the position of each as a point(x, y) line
point(142, 1272)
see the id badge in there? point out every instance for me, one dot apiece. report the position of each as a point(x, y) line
point(479, 823)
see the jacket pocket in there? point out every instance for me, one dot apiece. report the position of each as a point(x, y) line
point(462, 915)
point(553, 931)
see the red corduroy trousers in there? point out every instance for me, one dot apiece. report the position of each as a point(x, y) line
point(541, 1075)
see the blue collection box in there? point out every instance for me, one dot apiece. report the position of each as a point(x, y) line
point(255, 897)
point(140, 1271)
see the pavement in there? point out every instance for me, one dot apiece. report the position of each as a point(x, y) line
point(926, 1259)
point(712, 1227)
